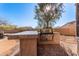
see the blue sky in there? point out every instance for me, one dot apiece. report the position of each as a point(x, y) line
point(21, 14)
point(68, 15)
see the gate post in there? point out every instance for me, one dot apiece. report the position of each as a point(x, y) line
point(77, 26)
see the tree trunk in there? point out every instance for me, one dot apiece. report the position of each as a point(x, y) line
point(47, 24)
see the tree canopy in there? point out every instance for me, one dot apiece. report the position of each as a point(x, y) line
point(48, 13)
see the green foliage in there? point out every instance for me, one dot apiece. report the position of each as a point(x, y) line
point(4, 25)
point(48, 13)
point(24, 28)
point(7, 27)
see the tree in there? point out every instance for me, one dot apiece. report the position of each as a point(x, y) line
point(48, 13)
point(5, 25)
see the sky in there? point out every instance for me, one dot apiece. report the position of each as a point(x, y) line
point(22, 14)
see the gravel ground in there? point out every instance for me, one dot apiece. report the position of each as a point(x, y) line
point(9, 47)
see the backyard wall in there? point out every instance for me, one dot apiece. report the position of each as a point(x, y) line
point(66, 31)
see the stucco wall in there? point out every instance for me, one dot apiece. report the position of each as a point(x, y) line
point(68, 29)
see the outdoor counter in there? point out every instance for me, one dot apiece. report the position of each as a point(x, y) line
point(28, 42)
